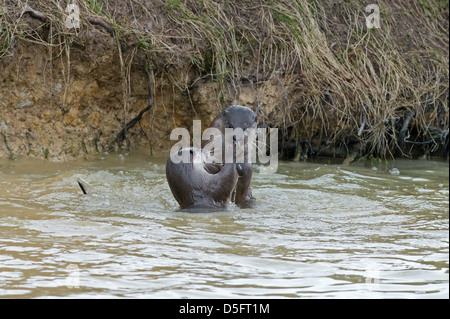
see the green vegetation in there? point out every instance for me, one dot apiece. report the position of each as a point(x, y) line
point(172, 4)
point(95, 6)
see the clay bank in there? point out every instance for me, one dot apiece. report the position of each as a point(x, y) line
point(313, 69)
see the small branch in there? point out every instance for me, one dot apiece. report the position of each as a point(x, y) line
point(122, 134)
point(33, 13)
point(420, 143)
point(100, 22)
point(92, 20)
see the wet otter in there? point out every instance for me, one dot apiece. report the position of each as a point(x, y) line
point(199, 185)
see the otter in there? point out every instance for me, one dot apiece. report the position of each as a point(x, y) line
point(197, 185)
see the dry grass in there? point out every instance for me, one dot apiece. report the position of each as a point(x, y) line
point(378, 92)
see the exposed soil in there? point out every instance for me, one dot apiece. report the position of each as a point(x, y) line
point(68, 97)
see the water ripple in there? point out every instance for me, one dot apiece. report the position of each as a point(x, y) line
point(316, 231)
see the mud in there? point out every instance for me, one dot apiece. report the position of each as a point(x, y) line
point(66, 95)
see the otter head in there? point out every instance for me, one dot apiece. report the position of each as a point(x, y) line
point(235, 116)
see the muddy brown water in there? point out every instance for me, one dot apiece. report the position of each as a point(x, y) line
point(318, 230)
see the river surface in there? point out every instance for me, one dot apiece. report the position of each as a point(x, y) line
point(319, 230)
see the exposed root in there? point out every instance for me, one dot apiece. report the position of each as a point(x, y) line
point(34, 13)
point(100, 22)
point(122, 135)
